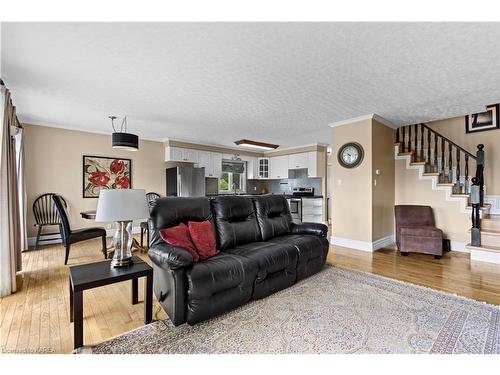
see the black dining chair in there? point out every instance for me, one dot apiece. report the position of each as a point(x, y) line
point(151, 199)
point(46, 215)
point(70, 236)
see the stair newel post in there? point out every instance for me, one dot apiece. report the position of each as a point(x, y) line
point(421, 142)
point(480, 171)
point(403, 138)
point(466, 173)
point(475, 197)
point(442, 160)
point(435, 153)
point(458, 187)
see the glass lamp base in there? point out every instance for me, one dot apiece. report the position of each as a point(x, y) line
point(123, 243)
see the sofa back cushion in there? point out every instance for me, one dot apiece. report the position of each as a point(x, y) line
point(169, 212)
point(235, 221)
point(273, 216)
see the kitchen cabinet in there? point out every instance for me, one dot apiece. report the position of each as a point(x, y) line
point(212, 162)
point(263, 167)
point(312, 210)
point(304, 160)
point(252, 167)
point(278, 167)
point(185, 155)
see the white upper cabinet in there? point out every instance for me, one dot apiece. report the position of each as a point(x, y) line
point(296, 161)
point(185, 155)
point(212, 162)
point(278, 167)
point(263, 168)
point(312, 168)
point(252, 167)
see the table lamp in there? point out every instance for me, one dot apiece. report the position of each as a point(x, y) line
point(122, 206)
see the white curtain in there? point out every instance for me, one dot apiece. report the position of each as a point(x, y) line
point(12, 202)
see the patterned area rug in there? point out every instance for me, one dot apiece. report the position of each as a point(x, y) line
point(335, 311)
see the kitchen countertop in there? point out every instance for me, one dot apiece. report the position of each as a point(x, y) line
point(286, 195)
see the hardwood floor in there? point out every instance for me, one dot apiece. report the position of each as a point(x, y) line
point(36, 318)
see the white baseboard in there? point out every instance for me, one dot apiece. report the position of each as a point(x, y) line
point(458, 246)
point(363, 245)
point(55, 238)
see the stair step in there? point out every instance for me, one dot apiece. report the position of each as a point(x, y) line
point(490, 223)
point(490, 254)
point(417, 163)
point(431, 174)
point(490, 238)
point(460, 195)
point(493, 249)
point(445, 184)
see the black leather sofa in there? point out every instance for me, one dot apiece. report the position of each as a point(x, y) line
point(260, 252)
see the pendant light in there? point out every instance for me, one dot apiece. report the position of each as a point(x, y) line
point(121, 139)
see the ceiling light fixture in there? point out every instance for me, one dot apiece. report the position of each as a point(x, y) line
point(121, 139)
point(255, 144)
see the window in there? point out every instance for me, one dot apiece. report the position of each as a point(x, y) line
point(233, 177)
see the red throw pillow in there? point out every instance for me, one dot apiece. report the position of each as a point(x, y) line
point(179, 236)
point(203, 238)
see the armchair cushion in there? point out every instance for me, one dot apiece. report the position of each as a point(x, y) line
point(169, 257)
point(317, 229)
point(422, 232)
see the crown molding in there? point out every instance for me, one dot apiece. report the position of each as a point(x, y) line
point(372, 116)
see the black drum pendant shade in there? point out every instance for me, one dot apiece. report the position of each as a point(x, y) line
point(122, 139)
point(126, 141)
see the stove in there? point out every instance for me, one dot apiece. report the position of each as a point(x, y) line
point(303, 191)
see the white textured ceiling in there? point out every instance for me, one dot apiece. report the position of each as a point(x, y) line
point(275, 82)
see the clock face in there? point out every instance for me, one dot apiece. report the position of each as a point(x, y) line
point(350, 155)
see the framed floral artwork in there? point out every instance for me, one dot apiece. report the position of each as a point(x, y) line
point(105, 173)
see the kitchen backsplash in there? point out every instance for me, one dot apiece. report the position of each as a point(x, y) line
point(284, 185)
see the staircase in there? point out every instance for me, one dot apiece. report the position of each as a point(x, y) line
point(449, 166)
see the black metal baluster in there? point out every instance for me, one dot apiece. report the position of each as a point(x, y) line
point(466, 172)
point(415, 142)
point(450, 162)
point(409, 137)
point(442, 159)
point(421, 143)
point(435, 167)
point(397, 135)
point(429, 164)
point(458, 188)
point(404, 139)
point(475, 198)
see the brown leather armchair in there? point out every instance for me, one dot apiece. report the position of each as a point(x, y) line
point(416, 231)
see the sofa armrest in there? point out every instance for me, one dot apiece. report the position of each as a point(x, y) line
point(317, 229)
point(169, 257)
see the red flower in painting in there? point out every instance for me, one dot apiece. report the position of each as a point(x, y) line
point(117, 166)
point(98, 178)
point(121, 182)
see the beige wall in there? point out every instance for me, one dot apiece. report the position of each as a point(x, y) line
point(410, 189)
point(383, 188)
point(454, 129)
point(54, 165)
point(351, 188)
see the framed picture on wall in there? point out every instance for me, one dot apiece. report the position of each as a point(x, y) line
point(488, 120)
point(101, 172)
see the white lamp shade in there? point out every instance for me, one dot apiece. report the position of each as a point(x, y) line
point(121, 205)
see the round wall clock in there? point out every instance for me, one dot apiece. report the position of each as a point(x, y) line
point(350, 155)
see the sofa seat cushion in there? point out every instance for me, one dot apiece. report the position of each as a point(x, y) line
point(423, 231)
point(312, 252)
point(219, 284)
point(277, 265)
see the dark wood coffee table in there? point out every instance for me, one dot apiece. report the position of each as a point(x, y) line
point(94, 275)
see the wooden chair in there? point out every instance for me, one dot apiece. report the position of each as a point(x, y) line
point(46, 215)
point(151, 199)
point(70, 236)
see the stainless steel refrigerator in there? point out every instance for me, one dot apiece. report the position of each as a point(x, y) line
point(185, 182)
